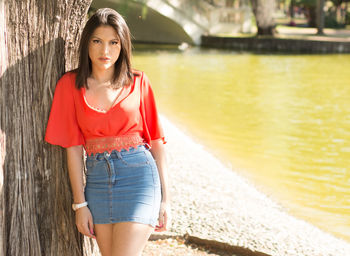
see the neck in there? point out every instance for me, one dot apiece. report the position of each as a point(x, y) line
point(102, 75)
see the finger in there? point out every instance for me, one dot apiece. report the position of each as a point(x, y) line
point(161, 224)
point(91, 227)
point(161, 227)
point(82, 230)
point(160, 220)
point(161, 215)
point(158, 229)
point(165, 217)
point(165, 223)
point(85, 230)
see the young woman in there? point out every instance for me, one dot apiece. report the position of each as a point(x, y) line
point(107, 108)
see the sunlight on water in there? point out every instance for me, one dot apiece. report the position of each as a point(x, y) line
point(281, 120)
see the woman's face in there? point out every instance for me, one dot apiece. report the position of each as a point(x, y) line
point(104, 47)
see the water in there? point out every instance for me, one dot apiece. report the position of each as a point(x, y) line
point(283, 121)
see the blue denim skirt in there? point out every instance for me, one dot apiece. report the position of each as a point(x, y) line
point(123, 186)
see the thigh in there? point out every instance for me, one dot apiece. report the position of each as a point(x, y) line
point(104, 238)
point(129, 238)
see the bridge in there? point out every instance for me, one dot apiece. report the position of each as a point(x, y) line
point(177, 21)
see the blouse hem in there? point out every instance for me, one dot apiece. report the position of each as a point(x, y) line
point(64, 145)
point(110, 143)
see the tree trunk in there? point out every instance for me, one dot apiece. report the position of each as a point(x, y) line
point(320, 17)
point(312, 16)
point(291, 8)
point(263, 11)
point(37, 38)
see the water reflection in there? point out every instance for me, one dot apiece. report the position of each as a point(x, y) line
point(281, 120)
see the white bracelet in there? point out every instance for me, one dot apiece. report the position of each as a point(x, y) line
point(77, 206)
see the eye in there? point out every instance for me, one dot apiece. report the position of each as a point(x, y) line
point(115, 42)
point(95, 41)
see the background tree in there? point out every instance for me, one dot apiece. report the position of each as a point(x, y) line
point(263, 11)
point(337, 13)
point(291, 9)
point(311, 11)
point(36, 42)
point(320, 16)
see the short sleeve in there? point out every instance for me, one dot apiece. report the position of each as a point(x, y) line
point(152, 126)
point(62, 127)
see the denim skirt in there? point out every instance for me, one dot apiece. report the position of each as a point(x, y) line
point(123, 186)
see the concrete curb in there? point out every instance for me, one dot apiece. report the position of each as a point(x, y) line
point(277, 44)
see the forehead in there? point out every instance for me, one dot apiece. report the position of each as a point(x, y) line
point(105, 32)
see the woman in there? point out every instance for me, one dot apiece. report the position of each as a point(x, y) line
point(109, 109)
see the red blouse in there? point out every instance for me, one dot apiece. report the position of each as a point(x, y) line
point(72, 121)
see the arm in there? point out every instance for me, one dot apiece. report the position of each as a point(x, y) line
point(158, 153)
point(75, 169)
point(83, 217)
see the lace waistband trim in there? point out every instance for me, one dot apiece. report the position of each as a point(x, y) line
point(100, 145)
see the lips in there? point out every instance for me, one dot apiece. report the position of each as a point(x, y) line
point(104, 59)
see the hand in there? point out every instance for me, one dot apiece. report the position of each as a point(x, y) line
point(84, 222)
point(164, 217)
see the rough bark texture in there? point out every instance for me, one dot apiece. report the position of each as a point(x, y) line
point(263, 11)
point(37, 38)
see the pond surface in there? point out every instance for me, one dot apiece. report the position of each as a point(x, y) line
point(283, 121)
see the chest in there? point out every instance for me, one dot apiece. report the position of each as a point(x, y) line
point(104, 98)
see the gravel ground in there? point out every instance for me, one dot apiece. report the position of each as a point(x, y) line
point(215, 204)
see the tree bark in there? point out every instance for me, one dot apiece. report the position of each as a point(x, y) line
point(37, 42)
point(263, 11)
point(291, 8)
point(320, 17)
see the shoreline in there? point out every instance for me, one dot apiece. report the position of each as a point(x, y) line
point(278, 44)
point(211, 204)
point(297, 40)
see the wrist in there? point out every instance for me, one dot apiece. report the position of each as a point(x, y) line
point(78, 197)
point(78, 201)
point(165, 197)
point(78, 206)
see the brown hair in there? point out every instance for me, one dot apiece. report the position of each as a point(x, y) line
point(122, 74)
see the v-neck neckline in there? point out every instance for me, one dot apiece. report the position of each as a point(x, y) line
point(115, 102)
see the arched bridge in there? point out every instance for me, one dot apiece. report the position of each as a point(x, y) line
point(176, 21)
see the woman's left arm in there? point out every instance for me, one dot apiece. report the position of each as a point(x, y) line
point(158, 153)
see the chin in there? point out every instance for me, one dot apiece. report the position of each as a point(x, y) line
point(105, 66)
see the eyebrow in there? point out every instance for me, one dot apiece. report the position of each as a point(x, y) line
point(101, 39)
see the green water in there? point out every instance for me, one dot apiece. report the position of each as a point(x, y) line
point(283, 121)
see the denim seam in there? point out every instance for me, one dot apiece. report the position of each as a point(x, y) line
point(154, 194)
point(128, 219)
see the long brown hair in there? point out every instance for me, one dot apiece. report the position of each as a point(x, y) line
point(122, 74)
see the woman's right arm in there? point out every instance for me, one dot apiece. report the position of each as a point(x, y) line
point(83, 215)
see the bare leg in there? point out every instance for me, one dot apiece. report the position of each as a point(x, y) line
point(130, 238)
point(104, 235)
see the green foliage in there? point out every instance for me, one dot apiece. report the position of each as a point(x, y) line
point(330, 21)
point(337, 2)
point(306, 3)
point(310, 3)
point(347, 18)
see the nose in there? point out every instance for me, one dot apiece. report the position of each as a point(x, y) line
point(105, 48)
